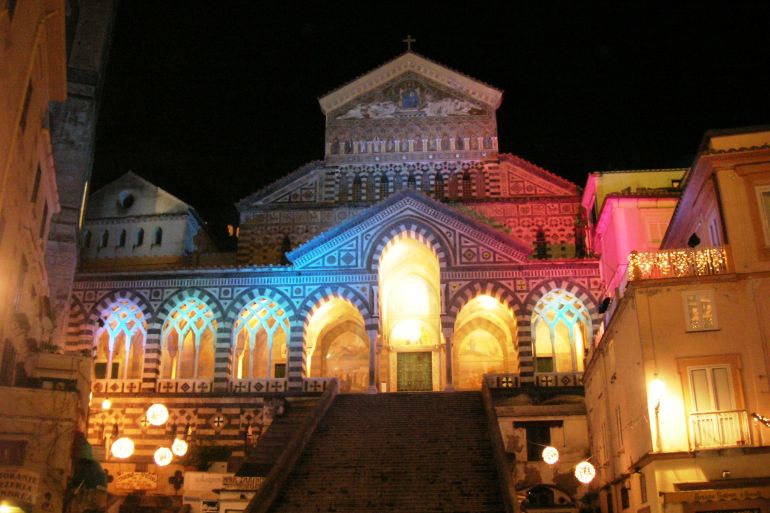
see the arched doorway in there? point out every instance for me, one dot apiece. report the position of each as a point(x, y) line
point(561, 327)
point(484, 336)
point(338, 345)
point(409, 280)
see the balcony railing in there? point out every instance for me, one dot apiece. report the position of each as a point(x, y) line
point(677, 263)
point(257, 386)
point(720, 429)
point(116, 386)
point(184, 386)
point(542, 379)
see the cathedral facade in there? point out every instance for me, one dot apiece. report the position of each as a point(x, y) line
point(414, 257)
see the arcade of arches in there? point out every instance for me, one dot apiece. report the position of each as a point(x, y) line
point(406, 350)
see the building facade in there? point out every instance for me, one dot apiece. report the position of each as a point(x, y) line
point(414, 257)
point(681, 364)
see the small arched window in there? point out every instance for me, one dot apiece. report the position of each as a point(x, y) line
point(384, 186)
point(438, 187)
point(122, 239)
point(157, 238)
point(357, 188)
point(411, 182)
point(105, 239)
point(343, 187)
point(139, 237)
point(87, 239)
point(467, 185)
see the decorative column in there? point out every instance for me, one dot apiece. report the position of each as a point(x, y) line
point(152, 359)
point(373, 334)
point(296, 366)
point(448, 332)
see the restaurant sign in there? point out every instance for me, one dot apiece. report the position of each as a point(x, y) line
point(19, 484)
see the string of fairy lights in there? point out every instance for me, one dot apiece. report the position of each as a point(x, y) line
point(644, 265)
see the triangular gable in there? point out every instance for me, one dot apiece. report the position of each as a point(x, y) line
point(303, 184)
point(520, 177)
point(412, 62)
point(472, 242)
point(146, 199)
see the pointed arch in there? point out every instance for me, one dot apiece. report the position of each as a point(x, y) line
point(185, 350)
point(561, 327)
point(117, 329)
point(409, 227)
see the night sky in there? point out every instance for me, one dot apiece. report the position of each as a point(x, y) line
point(214, 100)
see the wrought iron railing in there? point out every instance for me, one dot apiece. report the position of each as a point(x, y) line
point(720, 429)
point(677, 263)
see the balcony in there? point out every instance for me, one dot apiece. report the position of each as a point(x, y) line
point(720, 429)
point(677, 263)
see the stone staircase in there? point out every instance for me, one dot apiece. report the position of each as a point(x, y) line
point(260, 460)
point(406, 452)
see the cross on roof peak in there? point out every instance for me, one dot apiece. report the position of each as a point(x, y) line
point(409, 40)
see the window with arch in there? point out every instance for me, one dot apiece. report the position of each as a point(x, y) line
point(561, 327)
point(438, 187)
point(157, 238)
point(87, 239)
point(467, 185)
point(139, 237)
point(383, 186)
point(122, 239)
point(260, 333)
point(357, 187)
point(188, 340)
point(411, 182)
point(343, 187)
point(105, 239)
point(120, 341)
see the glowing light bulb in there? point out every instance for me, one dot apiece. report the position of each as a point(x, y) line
point(550, 455)
point(657, 390)
point(585, 472)
point(157, 414)
point(106, 404)
point(163, 456)
point(122, 448)
point(179, 447)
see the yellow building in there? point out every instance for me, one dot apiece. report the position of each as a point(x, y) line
point(682, 363)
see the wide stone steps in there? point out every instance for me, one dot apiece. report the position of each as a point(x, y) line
point(418, 452)
point(261, 459)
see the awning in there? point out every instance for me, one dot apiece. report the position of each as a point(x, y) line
point(726, 494)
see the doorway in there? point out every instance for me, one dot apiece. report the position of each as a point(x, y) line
point(415, 372)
